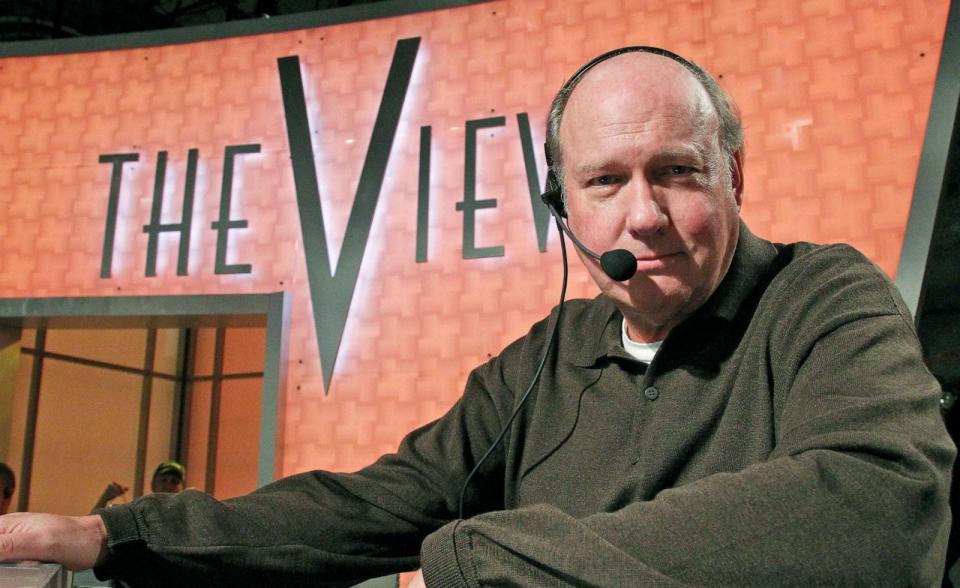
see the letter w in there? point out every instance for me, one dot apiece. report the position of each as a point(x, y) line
point(331, 293)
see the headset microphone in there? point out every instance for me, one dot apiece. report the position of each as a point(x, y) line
point(618, 264)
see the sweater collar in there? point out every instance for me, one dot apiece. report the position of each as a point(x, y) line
point(750, 262)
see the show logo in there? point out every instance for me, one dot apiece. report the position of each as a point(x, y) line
point(331, 291)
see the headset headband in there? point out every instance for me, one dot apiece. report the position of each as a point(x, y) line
point(573, 80)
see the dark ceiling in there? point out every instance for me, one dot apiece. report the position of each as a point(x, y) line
point(22, 20)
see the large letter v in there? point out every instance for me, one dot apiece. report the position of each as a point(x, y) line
point(331, 293)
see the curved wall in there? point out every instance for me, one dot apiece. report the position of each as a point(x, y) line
point(835, 98)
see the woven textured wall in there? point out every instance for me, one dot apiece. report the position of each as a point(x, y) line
point(834, 95)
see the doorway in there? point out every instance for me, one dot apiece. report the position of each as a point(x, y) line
point(105, 389)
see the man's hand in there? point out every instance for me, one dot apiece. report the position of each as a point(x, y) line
point(417, 581)
point(78, 543)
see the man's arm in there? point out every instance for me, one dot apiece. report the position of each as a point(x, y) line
point(316, 528)
point(854, 493)
point(312, 529)
point(78, 543)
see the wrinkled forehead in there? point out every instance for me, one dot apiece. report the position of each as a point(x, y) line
point(639, 86)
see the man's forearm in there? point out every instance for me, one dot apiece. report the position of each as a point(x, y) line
point(78, 543)
point(780, 522)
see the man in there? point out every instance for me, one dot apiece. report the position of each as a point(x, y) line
point(168, 477)
point(8, 483)
point(736, 413)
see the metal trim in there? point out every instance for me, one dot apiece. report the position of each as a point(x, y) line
point(156, 311)
point(932, 170)
point(146, 388)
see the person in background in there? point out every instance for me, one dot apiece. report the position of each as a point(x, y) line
point(168, 477)
point(8, 483)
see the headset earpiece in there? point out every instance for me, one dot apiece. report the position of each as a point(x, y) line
point(553, 195)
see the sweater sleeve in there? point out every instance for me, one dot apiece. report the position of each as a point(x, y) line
point(321, 528)
point(854, 492)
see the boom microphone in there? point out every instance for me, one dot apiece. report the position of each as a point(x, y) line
point(618, 264)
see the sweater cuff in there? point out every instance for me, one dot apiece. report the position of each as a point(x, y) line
point(122, 528)
point(444, 556)
point(121, 525)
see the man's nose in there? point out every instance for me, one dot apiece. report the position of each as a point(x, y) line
point(644, 214)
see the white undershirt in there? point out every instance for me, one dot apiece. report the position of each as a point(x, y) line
point(640, 351)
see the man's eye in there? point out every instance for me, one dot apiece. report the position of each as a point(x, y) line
point(679, 170)
point(603, 181)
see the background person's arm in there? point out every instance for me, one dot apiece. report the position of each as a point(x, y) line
point(111, 491)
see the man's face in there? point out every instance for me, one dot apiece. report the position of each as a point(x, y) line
point(167, 483)
point(643, 171)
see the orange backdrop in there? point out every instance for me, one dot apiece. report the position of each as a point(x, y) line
point(835, 97)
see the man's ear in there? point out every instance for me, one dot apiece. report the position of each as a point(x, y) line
point(736, 176)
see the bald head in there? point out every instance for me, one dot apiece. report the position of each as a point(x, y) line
point(648, 73)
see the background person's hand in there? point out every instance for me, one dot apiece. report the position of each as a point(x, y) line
point(78, 543)
point(113, 490)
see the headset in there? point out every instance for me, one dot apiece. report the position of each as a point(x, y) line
point(553, 192)
point(618, 264)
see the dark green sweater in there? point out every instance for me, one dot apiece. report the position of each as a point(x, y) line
point(786, 434)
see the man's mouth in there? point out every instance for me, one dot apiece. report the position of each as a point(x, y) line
point(651, 262)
